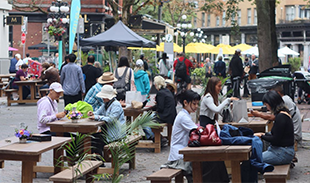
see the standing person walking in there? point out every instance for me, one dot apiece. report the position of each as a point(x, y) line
point(13, 63)
point(142, 81)
point(220, 68)
point(236, 69)
point(91, 73)
point(253, 67)
point(182, 70)
point(164, 66)
point(208, 68)
point(72, 81)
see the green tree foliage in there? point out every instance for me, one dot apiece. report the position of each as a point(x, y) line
point(295, 63)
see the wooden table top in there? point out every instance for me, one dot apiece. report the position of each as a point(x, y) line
point(216, 149)
point(253, 121)
point(82, 123)
point(6, 75)
point(12, 146)
point(29, 81)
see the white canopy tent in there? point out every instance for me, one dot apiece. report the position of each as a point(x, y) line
point(254, 50)
point(287, 51)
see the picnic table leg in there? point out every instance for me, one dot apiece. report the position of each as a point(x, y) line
point(235, 172)
point(132, 162)
point(33, 91)
point(87, 145)
point(27, 171)
point(57, 153)
point(197, 174)
point(20, 92)
point(157, 140)
point(1, 163)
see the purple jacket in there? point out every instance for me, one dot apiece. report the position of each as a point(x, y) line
point(46, 113)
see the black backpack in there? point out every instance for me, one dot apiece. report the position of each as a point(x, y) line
point(180, 69)
point(121, 86)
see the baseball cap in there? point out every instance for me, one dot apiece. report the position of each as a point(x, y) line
point(56, 87)
point(139, 62)
point(238, 50)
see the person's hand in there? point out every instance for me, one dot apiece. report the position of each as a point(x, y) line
point(90, 113)
point(92, 117)
point(234, 98)
point(83, 94)
point(123, 103)
point(255, 113)
point(60, 115)
point(259, 134)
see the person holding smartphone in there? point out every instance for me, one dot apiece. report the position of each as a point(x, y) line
point(48, 109)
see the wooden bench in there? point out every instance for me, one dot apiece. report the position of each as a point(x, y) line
point(132, 141)
point(43, 92)
point(8, 93)
point(165, 175)
point(156, 145)
point(70, 174)
point(279, 174)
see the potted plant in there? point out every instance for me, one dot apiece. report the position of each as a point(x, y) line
point(22, 134)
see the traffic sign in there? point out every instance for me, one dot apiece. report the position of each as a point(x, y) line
point(23, 38)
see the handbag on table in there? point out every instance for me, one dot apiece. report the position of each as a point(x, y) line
point(203, 136)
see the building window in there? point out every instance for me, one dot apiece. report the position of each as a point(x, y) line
point(255, 16)
point(203, 19)
point(239, 17)
point(233, 17)
point(195, 21)
point(290, 13)
point(208, 20)
point(249, 16)
point(304, 12)
point(217, 21)
point(223, 19)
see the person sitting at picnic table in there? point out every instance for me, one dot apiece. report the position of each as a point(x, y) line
point(109, 112)
point(142, 81)
point(183, 124)
point(22, 75)
point(210, 107)
point(47, 111)
point(50, 74)
point(281, 138)
point(106, 78)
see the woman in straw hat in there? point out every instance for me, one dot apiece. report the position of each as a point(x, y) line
point(91, 98)
point(109, 112)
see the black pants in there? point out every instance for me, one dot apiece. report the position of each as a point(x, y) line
point(204, 120)
point(26, 91)
point(236, 87)
point(72, 98)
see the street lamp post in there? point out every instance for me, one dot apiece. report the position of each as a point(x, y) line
point(183, 29)
point(56, 24)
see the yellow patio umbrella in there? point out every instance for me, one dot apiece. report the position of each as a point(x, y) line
point(227, 49)
point(176, 48)
point(242, 47)
point(197, 48)
point(139, 48)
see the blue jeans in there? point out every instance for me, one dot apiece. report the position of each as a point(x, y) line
point(278, 155)
point(148, 133)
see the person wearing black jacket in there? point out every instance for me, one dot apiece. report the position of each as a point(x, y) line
point(236, 70)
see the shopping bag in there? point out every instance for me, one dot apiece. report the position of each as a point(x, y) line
point(240, 113)
point(227, 117)
point(133, 95)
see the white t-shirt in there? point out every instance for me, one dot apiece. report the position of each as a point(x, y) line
point(180, 134)
point(19, 63)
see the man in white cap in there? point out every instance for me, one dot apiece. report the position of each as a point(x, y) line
point(109, 112)
point(48, 109)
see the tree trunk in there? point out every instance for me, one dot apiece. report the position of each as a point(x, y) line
point(266, 34)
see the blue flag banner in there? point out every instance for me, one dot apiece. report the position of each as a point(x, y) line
point(74, 19)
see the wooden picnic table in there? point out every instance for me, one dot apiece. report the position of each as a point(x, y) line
point(30, 153)
point(233, 153)
point(6, 76)
point(131, 112)
point(32, 84)
point(250, 106)
point(255, 123)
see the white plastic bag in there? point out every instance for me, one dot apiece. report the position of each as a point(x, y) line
point(133, 95)
point(240, 113)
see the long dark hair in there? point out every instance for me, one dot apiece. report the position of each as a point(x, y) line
point(164, 56)
point(188, 95)
point(123, 61)
point(213, 81)
point(275, 101)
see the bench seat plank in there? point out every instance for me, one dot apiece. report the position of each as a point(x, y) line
point(69, 174)
point(279, 174)
point(166, 175)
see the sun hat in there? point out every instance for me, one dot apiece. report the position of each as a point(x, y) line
point(139, 63)
point(164, 56)
point(107, 91)
point(56, 87)
point(159, 82)
point(169, 82)
point(107, 77)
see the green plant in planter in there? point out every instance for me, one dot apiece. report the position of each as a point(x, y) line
point(295, 63)
point(200, 75)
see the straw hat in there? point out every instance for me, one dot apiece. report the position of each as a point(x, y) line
point(136, 104)
point(170, 83)
point(107, 77)
point(107, 91)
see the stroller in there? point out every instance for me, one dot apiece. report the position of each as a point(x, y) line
point(302, 79)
